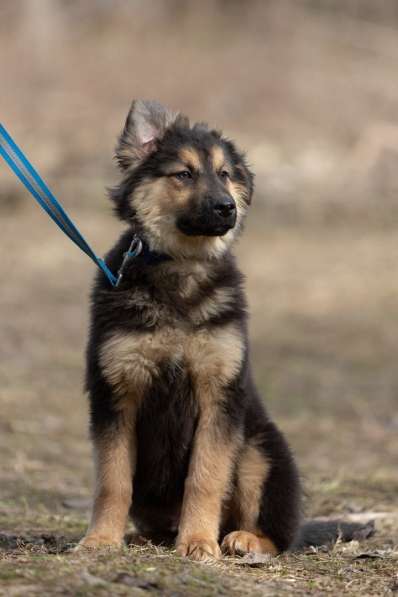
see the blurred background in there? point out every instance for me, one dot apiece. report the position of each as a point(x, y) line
point(310, 90)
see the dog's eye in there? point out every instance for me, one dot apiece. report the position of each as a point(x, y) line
point(224, 174)
point(183, 175)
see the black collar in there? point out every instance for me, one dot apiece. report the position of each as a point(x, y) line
point(140, 252)
point(150, 257)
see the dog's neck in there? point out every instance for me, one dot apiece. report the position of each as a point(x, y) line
point(150, 256)
point(180, 274)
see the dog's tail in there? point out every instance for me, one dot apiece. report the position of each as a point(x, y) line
point(316, 533)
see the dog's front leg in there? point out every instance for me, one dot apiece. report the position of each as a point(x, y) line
point(206, 485)
point(114, 452)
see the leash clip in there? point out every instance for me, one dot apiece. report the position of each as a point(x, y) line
point(133, 251)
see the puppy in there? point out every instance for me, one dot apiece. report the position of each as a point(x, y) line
point(182, 440)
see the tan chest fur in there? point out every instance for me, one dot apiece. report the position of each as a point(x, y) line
point(131, 362)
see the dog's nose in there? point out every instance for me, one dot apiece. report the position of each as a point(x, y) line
point(225, 207)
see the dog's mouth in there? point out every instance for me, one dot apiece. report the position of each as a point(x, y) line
point(192, 229)
point(207, 222)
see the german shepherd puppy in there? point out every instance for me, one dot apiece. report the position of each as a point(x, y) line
point(181, 437)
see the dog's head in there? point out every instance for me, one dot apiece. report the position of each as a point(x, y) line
point(186, 187)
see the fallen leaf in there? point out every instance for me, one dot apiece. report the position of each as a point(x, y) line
point(255, 559)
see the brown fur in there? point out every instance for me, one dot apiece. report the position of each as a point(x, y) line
point(206, 487)
point(218, 157)
point(130, 363)
point(214, 359)
point(114, 468)
point(242, 542)
point(212, 305)
point(190, 157)
point(252, 474)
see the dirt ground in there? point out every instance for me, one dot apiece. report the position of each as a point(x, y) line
point(309, 89)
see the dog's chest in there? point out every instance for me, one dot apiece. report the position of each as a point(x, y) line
point(133, 362)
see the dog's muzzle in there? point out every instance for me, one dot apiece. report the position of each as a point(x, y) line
point(213, 219)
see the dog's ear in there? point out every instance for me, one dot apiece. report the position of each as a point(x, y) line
point(146, 124)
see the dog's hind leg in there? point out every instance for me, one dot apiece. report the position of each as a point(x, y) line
point(266, 498)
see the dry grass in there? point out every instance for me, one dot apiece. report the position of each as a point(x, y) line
point(310, 89)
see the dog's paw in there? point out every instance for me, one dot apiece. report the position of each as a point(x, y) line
point(199, 549)
point(98, 541)
point(243, 542)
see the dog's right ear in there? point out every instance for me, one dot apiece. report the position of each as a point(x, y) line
point(146, 124)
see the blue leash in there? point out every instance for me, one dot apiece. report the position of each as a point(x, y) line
point(24, 170)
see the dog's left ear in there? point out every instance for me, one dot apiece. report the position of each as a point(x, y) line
point(146, 124)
